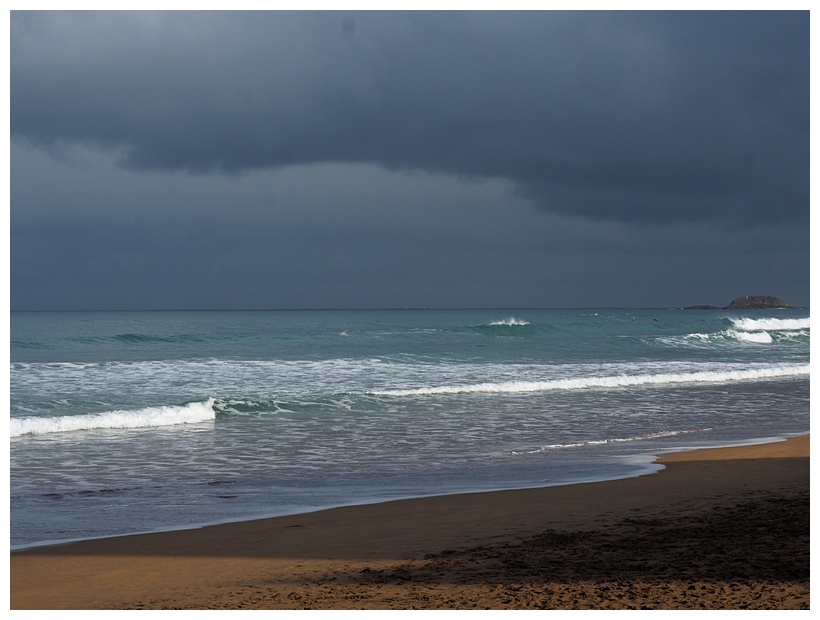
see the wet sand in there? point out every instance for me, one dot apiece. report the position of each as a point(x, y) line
point(717, 529)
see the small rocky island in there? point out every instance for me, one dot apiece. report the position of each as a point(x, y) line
point(747, 303)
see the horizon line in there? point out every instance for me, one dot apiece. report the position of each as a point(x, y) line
point(392, 309)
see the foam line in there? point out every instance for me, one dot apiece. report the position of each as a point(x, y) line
point(606, 382)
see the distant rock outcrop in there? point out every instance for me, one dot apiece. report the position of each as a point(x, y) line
point(746, 303)
point(761, 301)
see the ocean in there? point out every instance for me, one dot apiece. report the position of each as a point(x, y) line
point(126, 422)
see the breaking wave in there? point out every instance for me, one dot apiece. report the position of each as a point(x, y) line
point(756, 337)
point(617, 381)
point(769, 324)
point(509, 327)
point(747, 330)
point(509, 322)
point(190, 413)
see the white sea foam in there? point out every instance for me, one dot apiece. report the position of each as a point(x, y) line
point(510, 322)
point(599, 442)
point(734, 336)
point(769, 324)
point(616, 381)
point(140, 418)
point(758, 337)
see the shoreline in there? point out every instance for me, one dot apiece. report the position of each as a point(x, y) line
point(382, 555)
point(653, 464)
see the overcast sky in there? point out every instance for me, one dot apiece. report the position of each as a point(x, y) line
point(408, 159)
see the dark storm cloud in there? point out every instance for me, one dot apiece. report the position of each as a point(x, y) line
point(89, 234)
point(634, 117)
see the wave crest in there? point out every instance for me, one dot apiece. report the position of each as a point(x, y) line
point(757, 337)
point(510, 322)
point(191, 413)
point(771, 324)
point(618, 381)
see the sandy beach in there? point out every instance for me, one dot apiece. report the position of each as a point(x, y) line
point(724, 528)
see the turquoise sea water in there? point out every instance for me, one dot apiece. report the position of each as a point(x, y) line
point(130, 422)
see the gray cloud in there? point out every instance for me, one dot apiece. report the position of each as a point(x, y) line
point(634, 117)
point(389, 159)
point(89, 234)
